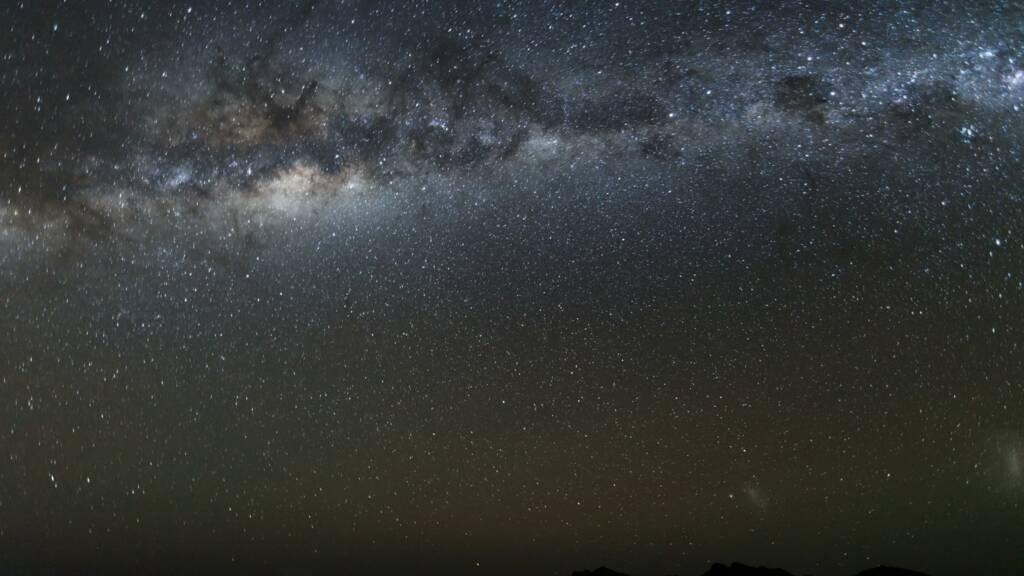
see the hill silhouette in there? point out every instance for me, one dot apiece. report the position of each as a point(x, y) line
point(602, 571)
point(890, 571)
point(737, 569)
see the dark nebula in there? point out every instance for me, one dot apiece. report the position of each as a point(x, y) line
point(511, 287)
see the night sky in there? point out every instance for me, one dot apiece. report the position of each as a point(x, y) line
point(511, 287)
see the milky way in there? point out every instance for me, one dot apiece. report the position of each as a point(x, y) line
point(512, 287)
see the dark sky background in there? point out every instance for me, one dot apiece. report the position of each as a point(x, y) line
point(512, 287)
